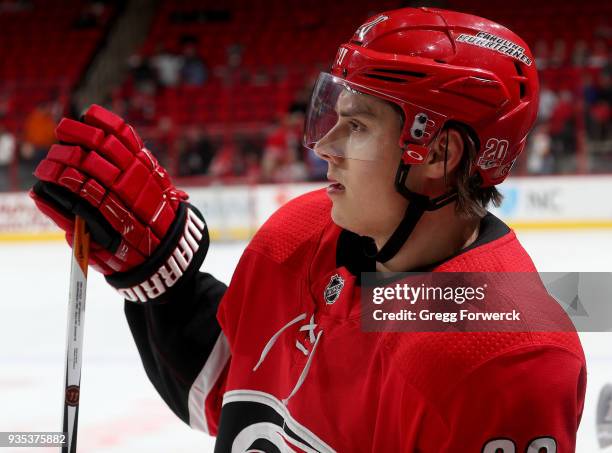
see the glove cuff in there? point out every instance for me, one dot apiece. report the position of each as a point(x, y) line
point(177, 258)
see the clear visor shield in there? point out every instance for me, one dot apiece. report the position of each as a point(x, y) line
point(343, 121)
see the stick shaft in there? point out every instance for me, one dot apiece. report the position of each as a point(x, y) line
point(74, 336)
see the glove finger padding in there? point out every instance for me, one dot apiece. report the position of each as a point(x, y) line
point(61, 200)
point(62, 215)
point(102, 172)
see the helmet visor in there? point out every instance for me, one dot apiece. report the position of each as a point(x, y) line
point(350, 121)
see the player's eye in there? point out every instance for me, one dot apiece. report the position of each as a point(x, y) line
point(356, 126)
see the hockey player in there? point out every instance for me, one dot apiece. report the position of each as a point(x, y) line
point(423, 112)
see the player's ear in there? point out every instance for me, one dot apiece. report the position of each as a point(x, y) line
point(445, 154)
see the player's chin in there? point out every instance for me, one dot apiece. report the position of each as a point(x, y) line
point(338, 215)
point(341, 216)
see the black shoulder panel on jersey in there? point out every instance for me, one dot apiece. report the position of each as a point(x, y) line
point(175, 339)
point(351, 253)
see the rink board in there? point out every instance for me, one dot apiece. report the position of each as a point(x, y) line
point(235, 212)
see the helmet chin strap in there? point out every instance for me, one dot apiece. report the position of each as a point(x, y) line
point(417, 206)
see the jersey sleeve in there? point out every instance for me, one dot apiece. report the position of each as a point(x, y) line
point(525, 401)
point(183, 349)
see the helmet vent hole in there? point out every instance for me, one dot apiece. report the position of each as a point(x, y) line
point(522, 90)
point(394, 75)
point(519, 71)
point(400, 72)
point(385, 78)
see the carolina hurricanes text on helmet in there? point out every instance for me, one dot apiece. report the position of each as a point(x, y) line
point(501, 45)
point(169, 272)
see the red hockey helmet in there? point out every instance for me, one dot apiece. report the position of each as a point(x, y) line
point(438, 66)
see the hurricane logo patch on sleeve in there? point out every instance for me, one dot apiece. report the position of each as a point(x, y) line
point(496, 43)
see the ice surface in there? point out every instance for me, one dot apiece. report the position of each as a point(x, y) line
point(120, 411)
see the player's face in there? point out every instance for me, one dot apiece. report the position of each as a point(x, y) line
point(363, 193)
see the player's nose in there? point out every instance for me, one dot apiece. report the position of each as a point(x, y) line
point(327, 151)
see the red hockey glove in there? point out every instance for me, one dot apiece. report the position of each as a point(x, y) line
point(144, 234)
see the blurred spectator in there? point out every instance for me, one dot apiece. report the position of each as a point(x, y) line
point(7, 154)
point(605, 82)
point(599, 56)
point(558, 57)
point(226, 162)
point(580, 54)
point(252, 148)
point(607, 69)
point(168, 66)
point(144, 76)
point(540, 159)
point(540, 52)
point(196, 153)
point(164, 143)
point(38, 136)
point(283, 153)
point(39, 129)
point(548, 101)
point(232, 72)
point(590, 92)
point(234, 55)
point(194, 71)
point(138, 100)
point(599, 117)
point(562, 133)
point(252, 167)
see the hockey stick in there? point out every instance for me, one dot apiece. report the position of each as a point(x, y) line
point(74, 337)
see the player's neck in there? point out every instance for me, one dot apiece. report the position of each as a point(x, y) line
point(438, 235)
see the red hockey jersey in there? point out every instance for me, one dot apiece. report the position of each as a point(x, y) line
point(290, 372)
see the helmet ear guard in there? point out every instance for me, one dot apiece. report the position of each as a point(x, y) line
point(421, 130)
point(417, 130)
